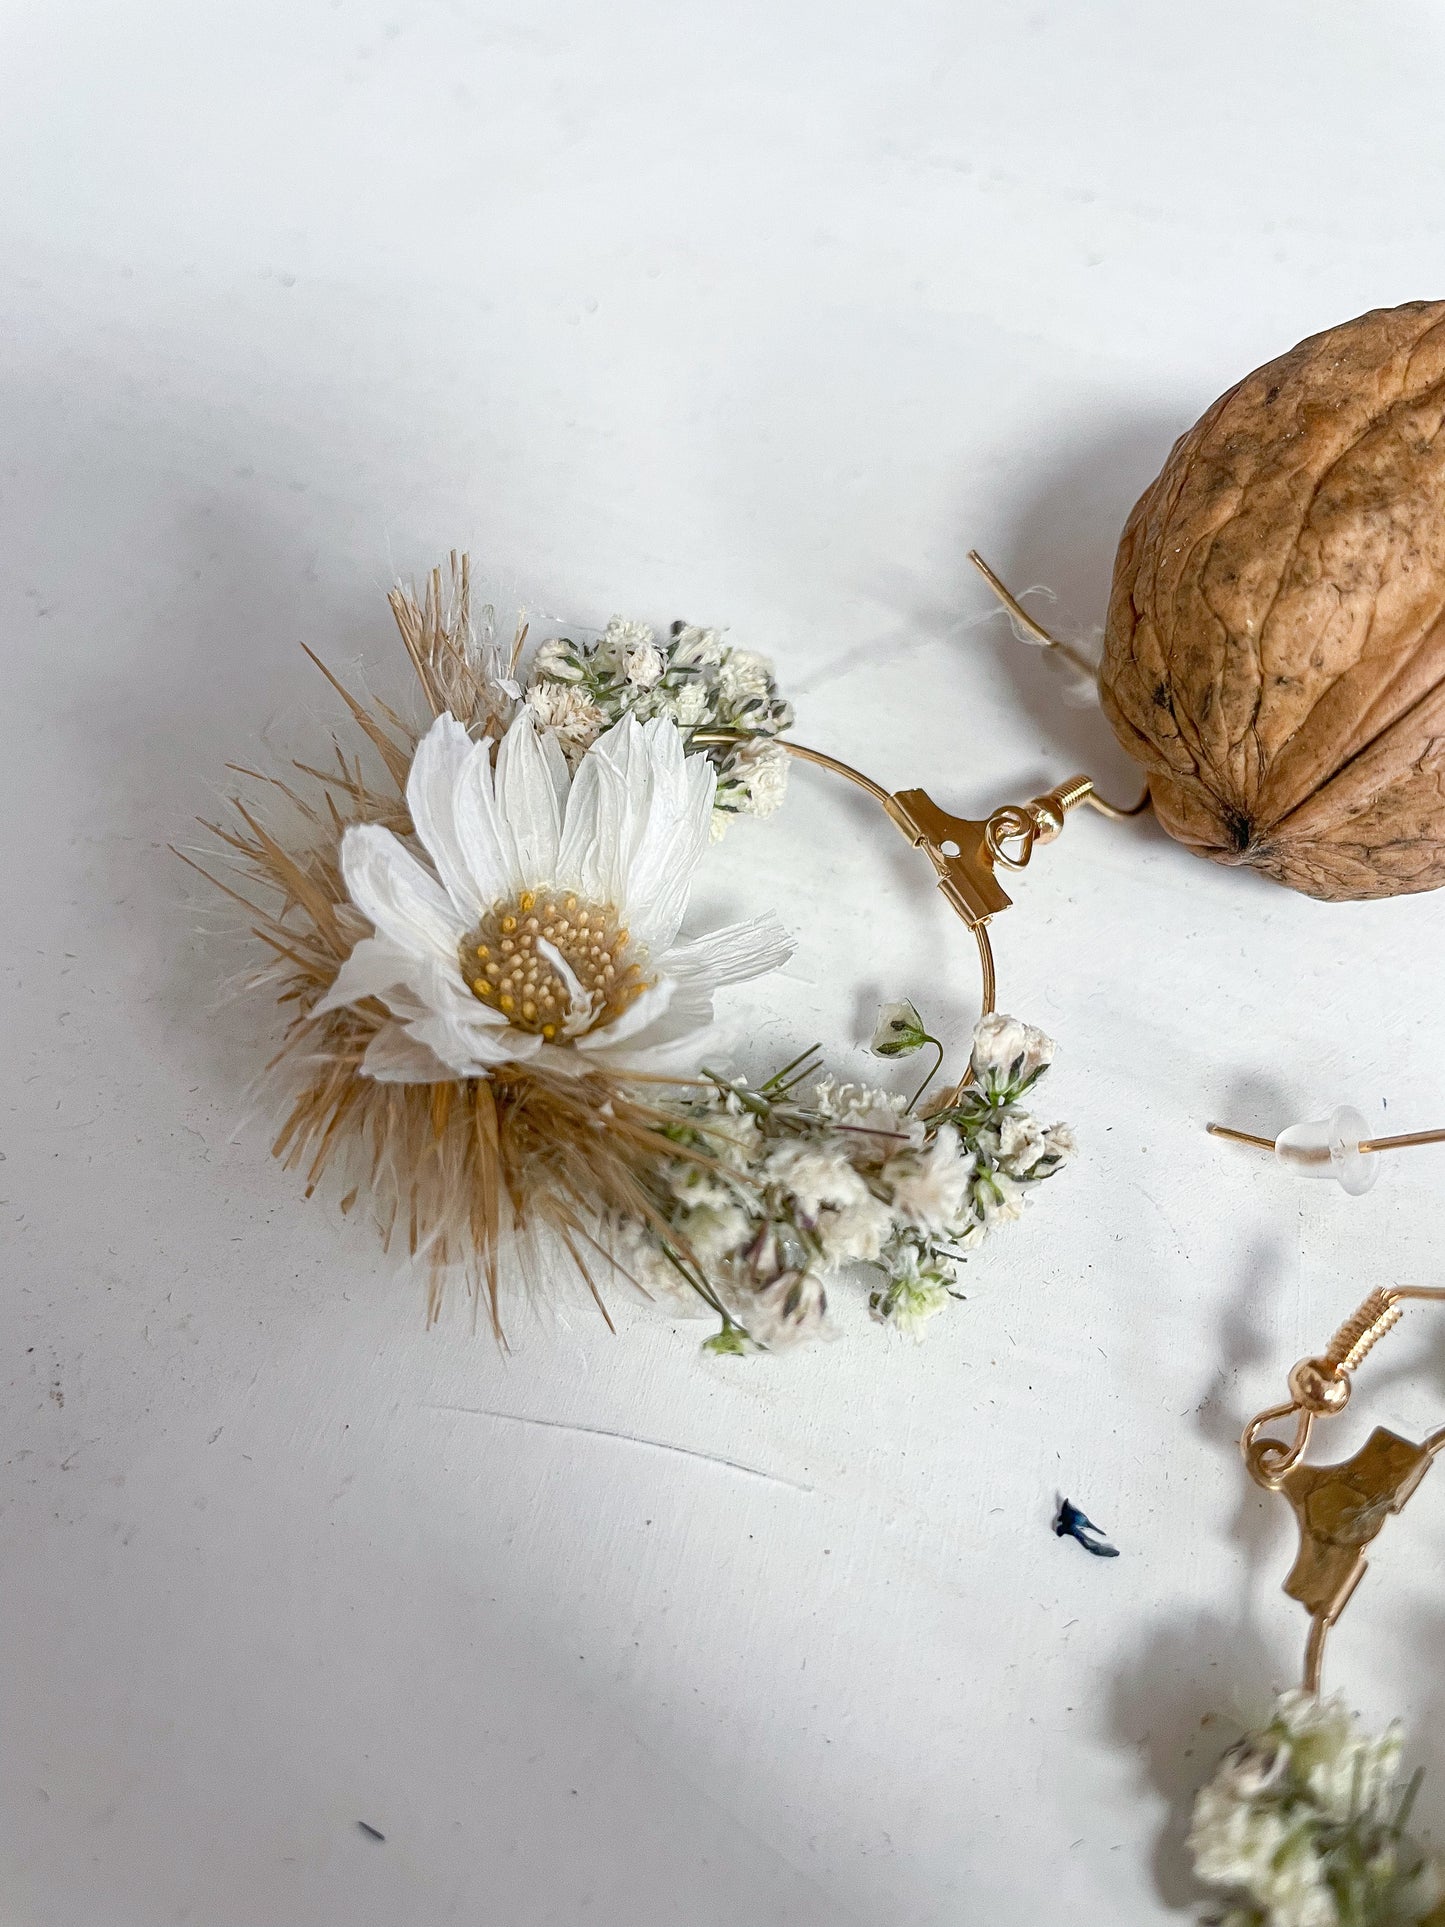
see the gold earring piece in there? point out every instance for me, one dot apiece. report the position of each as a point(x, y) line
point(1340, 1509)
point(1338, 1146)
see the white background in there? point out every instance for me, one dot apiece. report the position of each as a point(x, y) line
point(758, 314)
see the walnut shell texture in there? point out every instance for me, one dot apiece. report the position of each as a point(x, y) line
point(1275, 648)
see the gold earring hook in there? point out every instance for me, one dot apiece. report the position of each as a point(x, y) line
point(1340, 1509)
point(1026, 622)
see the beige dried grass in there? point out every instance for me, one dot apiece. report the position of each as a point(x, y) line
point(461, 1170)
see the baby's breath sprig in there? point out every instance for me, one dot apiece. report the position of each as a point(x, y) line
point(693, 678)
point(775, 1188)
point(1304, 1825)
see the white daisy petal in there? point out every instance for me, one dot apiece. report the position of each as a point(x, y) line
point(590, 859)
point(527, 800)
point(673, 836)
point(558, 773)
point(581, 1003)
point(403, 899)
point(374, 967)
point(730, 955)
point(394, 1058)
point(643, 1011)
point(675, 1041)
point(431, 797)
point(473, 1050)
point(436, 985)
point(487, 844)
point(566, 1061)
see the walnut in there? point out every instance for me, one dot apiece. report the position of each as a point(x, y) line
point(1275, 650)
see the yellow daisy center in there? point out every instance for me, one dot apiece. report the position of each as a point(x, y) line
point(502, 963)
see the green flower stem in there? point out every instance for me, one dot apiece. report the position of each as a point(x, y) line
point(779, 1081)
point(937, 1067)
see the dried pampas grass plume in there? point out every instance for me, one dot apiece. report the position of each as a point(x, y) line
point(461, 1169)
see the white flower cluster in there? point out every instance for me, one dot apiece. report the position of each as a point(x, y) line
point(772, 1189)
point(1303, 1825)
point(694, 679)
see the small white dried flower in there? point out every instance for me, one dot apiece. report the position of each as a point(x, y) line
point(1060, 1145)
point(914, 1291)
point(929, 1190)
point(1255, 1766)
point(1008, 1056)
point(697, 648)
point(998, 1198)
point(573, 717)
point(734, 1139)
point(618, 641)
point(914, 1304)
point(855, 1234)
point(867, 1108)
point(1301, 1825)
point(816, 1175)
point(1021, 1143)
point(1346, 1771)
point(762, 768)
point(876, 1122)
point(557, 659)
point(686, 706)
point(966, 1234)
point(744, 675)
point(714, 1231)
point(643, 666)
point(787, 1313)
point(899, 1030)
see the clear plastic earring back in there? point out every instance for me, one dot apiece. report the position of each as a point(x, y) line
point(1337, 1146)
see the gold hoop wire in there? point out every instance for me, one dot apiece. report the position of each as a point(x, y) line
point(881, 796)
point(965, 852)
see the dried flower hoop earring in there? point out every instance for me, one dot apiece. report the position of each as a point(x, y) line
point(1305, 1820)
point(497, 1030)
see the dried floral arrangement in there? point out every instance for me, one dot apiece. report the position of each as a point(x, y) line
point(1304, 1825)
point(497, 1034)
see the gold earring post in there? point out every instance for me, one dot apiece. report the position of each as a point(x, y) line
point(1400, 1143)
point(1240, 1137)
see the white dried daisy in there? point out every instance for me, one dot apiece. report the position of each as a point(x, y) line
point(546, 929)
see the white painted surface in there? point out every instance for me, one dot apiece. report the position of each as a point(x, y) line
point(759, 314)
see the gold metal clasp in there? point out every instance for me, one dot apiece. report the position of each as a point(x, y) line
point(965, 851)
point(1339, 1509)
